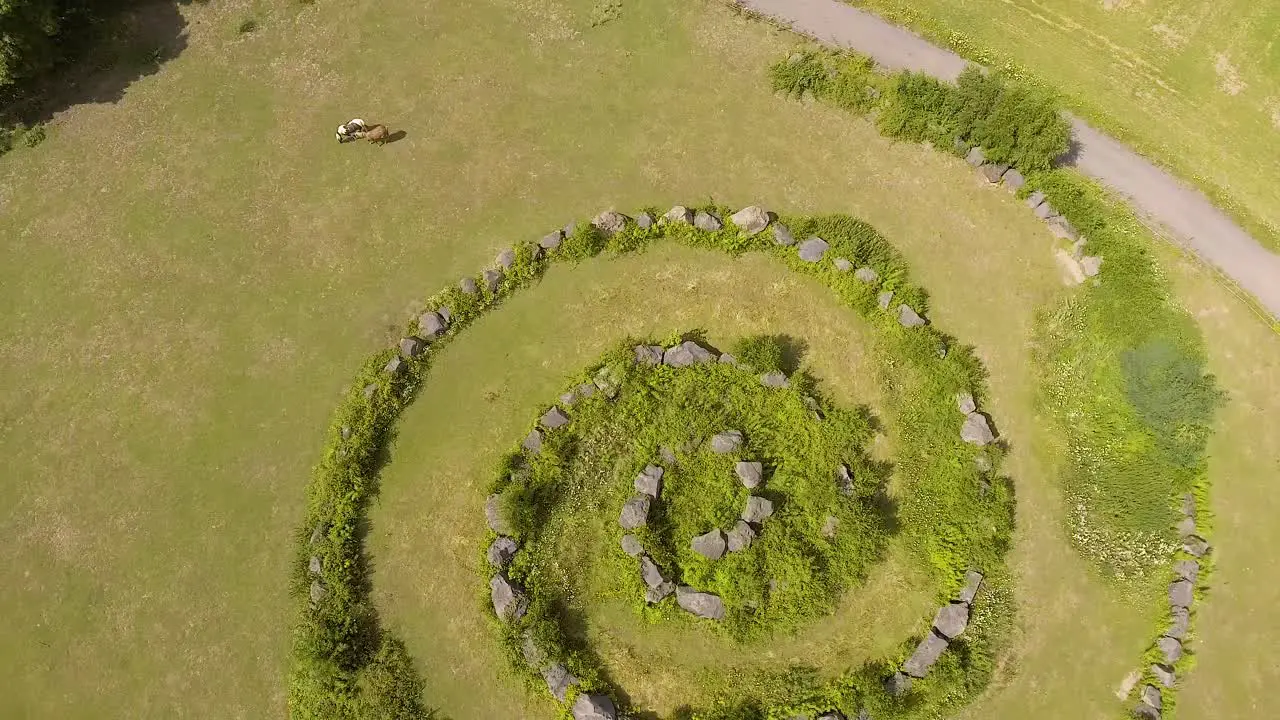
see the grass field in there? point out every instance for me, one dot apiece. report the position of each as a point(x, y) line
point(183, 306)
point(1194, 84)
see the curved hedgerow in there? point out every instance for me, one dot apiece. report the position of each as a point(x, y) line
point(954, 508)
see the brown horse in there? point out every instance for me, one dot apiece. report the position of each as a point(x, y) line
point(376, 134)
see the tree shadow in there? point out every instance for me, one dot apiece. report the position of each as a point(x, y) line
point(102, 58)
point(1069, 158)
point(396, 136)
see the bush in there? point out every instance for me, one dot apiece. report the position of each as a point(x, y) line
point(247, 25)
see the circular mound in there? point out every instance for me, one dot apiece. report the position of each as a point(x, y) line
point(949, 508)
point(727, 491)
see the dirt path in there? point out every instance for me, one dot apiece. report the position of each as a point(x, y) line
point(1184, 212)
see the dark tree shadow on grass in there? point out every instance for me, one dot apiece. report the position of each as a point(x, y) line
point(103, 57)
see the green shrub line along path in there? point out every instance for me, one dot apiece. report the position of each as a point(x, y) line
point(951, 506)
point(1188, 214)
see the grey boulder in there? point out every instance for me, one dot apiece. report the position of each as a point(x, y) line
point(491, 279)
point(975, 157)
point(508, 602)
point(866, 275)
point(1170, 649)
point(554, 418)
point(558, 680)
point(1151, 696)
point(965, 402)
point(431, 325)
point(594, 707)
point(533, 441)
point(501, 551)
point(551, 240)
point(494, 517)
point(394, 366)
point(631, 545)
point(750, 473)
point(658, 594)
point(468, 286)
point(649, 481)
point(741, 536)
point(774, 380)
point(706, 221)
point(317, 591)
point(649, 354)
point(1187, 569)
point(908, 317)
point(710, 545)
point(1091, 265)
point(898, 684)
point(679, 214)
point(751, 220)
point(993, 172)
point(842, 264)
point(314, 565)
point(704, 605)
point(1034, 199)
point(1163, 674)
point(610, 222)
point(1186, 527)
point(644, 221)
point(813, 249)
point(635, 512)
point(782, 235)
point(1179, 623)
point(685, 354)
point(726, 442)
point(757, 510)
point(972, 581)
point(650, 572)
point(884, 298)
point(1044, 211)
point(976, 431)
point(506, 259)
point(951, 620)
point(411, 346)
point(1014, 179)
point(925, 655)
point(1143, 711)
point(1195, 545)
point(1181, 593)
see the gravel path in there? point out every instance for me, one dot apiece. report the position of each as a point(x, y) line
point(1184, 212)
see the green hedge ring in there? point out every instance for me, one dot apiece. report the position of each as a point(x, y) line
point(955, 510)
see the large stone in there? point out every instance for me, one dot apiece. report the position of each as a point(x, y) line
point(1060, 228)
point(1170, 649)
point(650, 572)
point(1181, 593)
point(394, 366)
point(594, 707)
point(533, 441)
point(728, 359)
point(1189, 505)
point(1143, 711)
point(644, 221)
point(501, 551)
point(774, 380)
point(1187, 569)
point(750, 473)
point(842, 264)
point(976, 431)
point(710, 545)
point(635, 512)
point(508, 602)
point(1034, 199)
point(813, 249)
point(1186, 527)
point(631, 545)
point(551, 240)
point(866, 275)
point(972, 581)
point(1151, 696)
point(317, 592)
point(1014, 179)
point(649, 354)
point(679, 214)
point(844, 479)
point(610, 222)
point(1044, 211)
point(898, 684)
point(559, 680)
point(687, 353)
point(757, 510)
point(506, 259)
point(830, 526)
point(468, 286)
point(833, 715)
point(649, 481)
point(491, 280)
point(1163, 674)
point(494, 516)
point(554, 418)
point(993, 172)
point(1195, 546)
point(751, 220)
point(411, 346)
point(706, 221)
point(884, 298)
point(314, 565)
point(320, 531)
point(658, 594)
point(951, 620)
point(667, 455)
point(534, 656)
point(704, 605)
point(726, 442)
point(740, 537)
point(965, 402)
point(1091, 265)
point(908, 317)
point(925, 655)
point(975, 157)
point(782, 235)
point(1179, 623)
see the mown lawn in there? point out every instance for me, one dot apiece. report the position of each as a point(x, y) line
point(1195, 84)
point(183, 305)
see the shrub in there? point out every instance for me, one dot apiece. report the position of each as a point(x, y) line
point(247, 25)
point(33, 136)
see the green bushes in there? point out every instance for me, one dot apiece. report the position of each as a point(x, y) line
point(1123, 372)
point(1014, 123)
